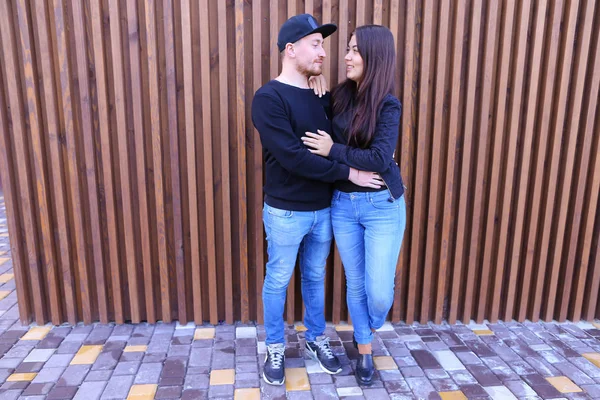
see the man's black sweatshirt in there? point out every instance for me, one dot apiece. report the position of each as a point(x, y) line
point(295, 179)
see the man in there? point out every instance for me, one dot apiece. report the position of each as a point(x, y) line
point(298, 191)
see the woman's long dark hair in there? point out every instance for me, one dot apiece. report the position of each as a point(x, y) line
point(376, 46)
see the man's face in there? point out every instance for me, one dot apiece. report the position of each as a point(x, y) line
point(310, 54)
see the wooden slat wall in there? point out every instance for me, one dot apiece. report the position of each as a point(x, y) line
point(132, 173)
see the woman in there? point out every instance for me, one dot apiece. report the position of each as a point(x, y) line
point(368, 223)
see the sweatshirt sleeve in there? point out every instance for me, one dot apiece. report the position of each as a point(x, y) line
point(277, 137)
point(377, 157)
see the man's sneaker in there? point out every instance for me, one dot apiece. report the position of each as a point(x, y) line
point(320, 351)
point(273, 372)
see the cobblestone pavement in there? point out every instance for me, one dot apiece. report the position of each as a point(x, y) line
point(171, 361)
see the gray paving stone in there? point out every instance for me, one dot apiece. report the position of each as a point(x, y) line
point(48, 375)
point(73, 375)
point(117, 388)
point(197, 382)
point(126, 368)
point(90, 390)
point(148, 373)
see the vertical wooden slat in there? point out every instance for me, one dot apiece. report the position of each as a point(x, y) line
point(273, 32)
point(419, 213)
point(402, 265)
point(122, 134)
point(222, 192)
point(174, 160)
point(256, 171)
point(360, 13)
point(209, 243)
point(308, 7)
point(240, 139)
point(19, 133)
point(454, 135)
point(190, 140)
point(521, 195)
point(481, 183)
point(378, 11)
point(152, 55)
point(492, 269)
point(36, 126)
point(136, 86)
point(458, 284)
point(515, 121)
point(560, 112)
point(409, 127)
point(545, 116)
point(588, 232)
point(10, 191)
point(108, 185)
point(433, 219)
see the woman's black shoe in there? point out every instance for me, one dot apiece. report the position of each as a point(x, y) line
point(364, 369)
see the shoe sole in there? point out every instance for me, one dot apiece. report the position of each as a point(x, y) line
point(274, 383)
point(313, 356)
point(361, 382)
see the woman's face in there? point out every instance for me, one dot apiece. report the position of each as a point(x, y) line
point(354, 62)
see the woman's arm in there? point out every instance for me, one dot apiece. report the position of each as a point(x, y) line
point(380, 152)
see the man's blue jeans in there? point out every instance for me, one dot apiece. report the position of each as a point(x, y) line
point(368, 230)
point(290, 234)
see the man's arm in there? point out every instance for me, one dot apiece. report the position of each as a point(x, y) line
point(277, 136)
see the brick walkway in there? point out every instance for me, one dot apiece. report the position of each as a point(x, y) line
point(170, 361)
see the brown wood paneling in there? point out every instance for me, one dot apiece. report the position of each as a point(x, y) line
point(138, 192)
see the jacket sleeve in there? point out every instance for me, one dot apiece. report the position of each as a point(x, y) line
point(377, 157)
point(278, 138)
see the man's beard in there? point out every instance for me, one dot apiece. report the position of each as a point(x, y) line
point(313, 70)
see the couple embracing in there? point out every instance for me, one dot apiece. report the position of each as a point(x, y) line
point(330, 171)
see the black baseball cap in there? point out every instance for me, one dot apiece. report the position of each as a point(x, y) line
point(300, 26)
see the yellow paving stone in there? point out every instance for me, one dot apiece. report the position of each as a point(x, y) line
point(6, 277)
point(300, 328)
point(483, 332)
point(564, 384)
point(455, 395)
point(594, 358)
point(3, 294)
point(142, 392)
point(22, 377)
point(3, 252)
point(384, 362)
point(3, 260)
point(135, 349)
point(344, 327)
point(296, 379)
point(5, 234)
point(222, 377)
point(247, 394)
point(596, 324)
point(86, 355)
point(36, 333)
point(204, 333)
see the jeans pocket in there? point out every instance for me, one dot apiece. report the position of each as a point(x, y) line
point(279, 213)
point(384, 203)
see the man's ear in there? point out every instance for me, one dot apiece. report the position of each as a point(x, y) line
point(289, 50)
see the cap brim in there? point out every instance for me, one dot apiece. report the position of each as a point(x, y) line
point(325, 30)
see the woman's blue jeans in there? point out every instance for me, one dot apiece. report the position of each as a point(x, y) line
point(292, 234)
point(368, 230)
